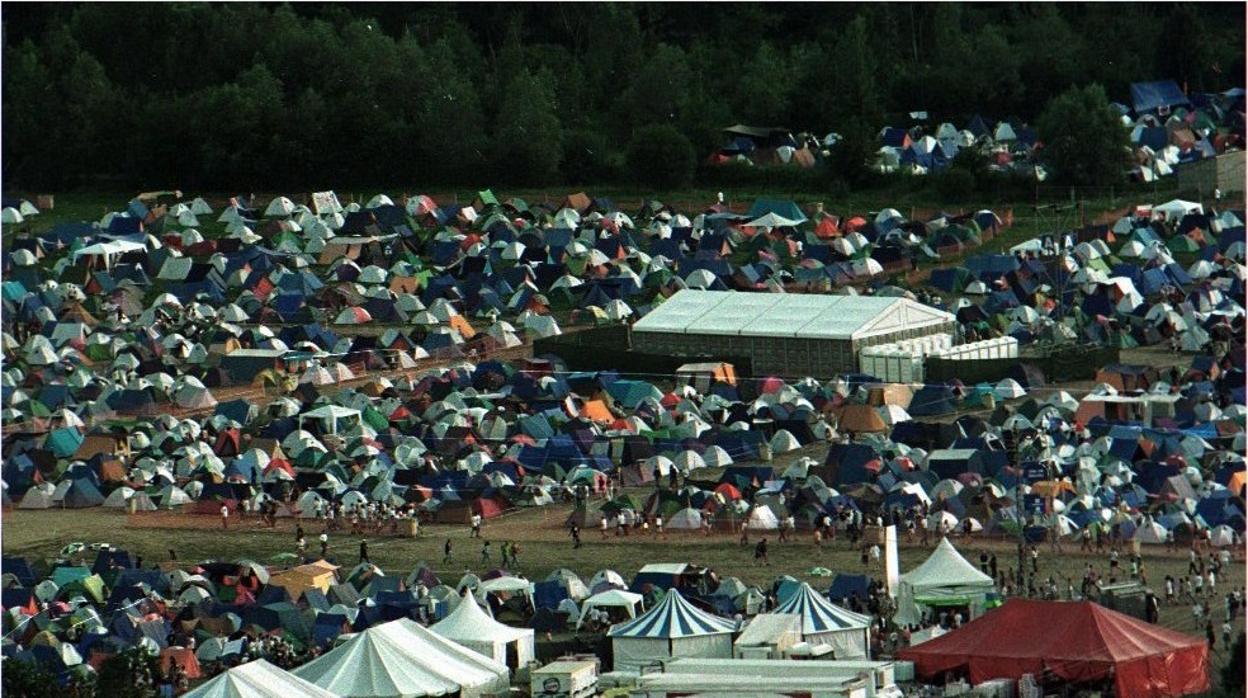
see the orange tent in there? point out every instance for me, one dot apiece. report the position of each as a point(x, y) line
point(827, 228)
point(597, 411)
point(462, 326)
point(184, 658)
point(855, 224)
point(1237, 483)
point(860, 419)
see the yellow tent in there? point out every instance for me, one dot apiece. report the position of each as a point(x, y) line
point(318, 575)
point(1052, 488)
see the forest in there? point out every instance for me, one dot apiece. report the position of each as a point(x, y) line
point(272, 95)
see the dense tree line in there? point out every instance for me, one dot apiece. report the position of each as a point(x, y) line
point(243, 95)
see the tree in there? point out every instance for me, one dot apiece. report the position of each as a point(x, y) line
point(763, 90)
point(661, 157)
point(452, 125)
point(856, 75)
point(527, 141)
point(585, 157)
point(660, 92)
point(1083, 140)
point(28, 678)
point(849, 158)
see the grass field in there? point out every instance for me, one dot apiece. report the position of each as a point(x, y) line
point(545, 545)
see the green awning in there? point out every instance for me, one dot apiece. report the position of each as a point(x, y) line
point(944, 600)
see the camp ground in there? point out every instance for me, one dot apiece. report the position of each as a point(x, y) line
point(362, 384)
point(866, 367)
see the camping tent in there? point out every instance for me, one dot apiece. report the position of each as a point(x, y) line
point(469, 626)
point(824, 623)
point(944, 579)
point(673, 628)
point(1076, 641)
point(258, 679)
point(402, 658)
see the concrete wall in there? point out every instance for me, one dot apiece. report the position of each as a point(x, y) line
point(784, 356)
point(1225, 172)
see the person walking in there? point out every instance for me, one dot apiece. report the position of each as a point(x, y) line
point(476, 525)
point(446, 551)
point(225, 516)
point(515, 555)
point(760, 552)
point(658, 526)
point(603, 526)
point(324, 545)
point(485, 552)
point(364, 552)
point(576, 537)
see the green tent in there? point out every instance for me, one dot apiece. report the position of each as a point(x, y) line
point(780, 207)
point(64, 442)
point(485, 199)
point(1182, 243)
point(91, 587)
point(66, 574)
point(375, 419)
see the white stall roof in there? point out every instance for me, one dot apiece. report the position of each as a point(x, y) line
point(734, 313)
point(675, 314)
point(793, 311)
point(842, 320)
point(809, 316)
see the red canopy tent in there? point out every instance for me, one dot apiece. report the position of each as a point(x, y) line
point(1076, 641)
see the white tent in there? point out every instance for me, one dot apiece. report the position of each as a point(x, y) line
point(944, 579)
point(687, 519)
point(469, 626)
point(402, 658)
point(762, 518)
point(612, 598)
point(825, 623)
point(258, 679)
point(783, 441)
point(673, 628)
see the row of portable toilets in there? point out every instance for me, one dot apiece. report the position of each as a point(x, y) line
point(902, 362)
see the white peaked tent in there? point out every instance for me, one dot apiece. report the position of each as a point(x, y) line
point(944, 579)
point(469, 626)
point(762, 518)
point(258, 679)
point(825, 623)
point(673, 628)
point(403, 658)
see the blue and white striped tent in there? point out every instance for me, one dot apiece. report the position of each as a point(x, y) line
point(673, 628)
point(825, 623)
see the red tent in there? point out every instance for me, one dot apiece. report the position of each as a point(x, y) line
point(1076, 641)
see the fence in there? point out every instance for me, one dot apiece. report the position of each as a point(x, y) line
point(1064, 363)
point(609, 348)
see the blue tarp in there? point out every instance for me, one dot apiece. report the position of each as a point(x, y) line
point(1151, 96)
